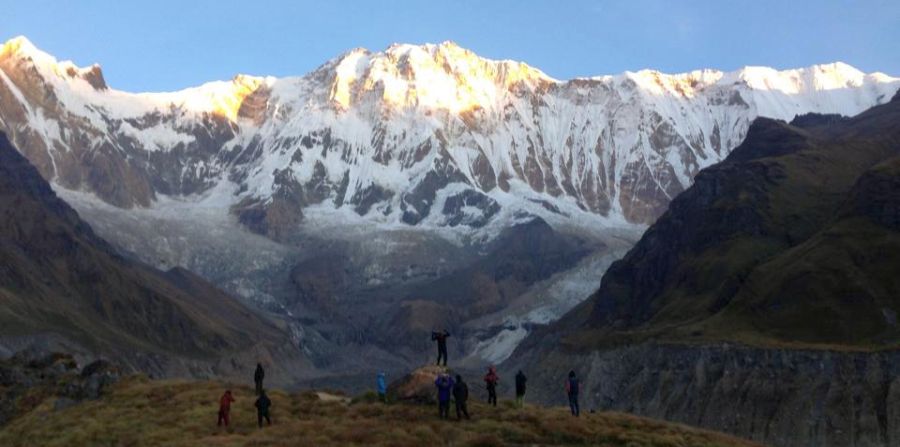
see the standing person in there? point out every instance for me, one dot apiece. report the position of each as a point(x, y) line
point(572, 386)
point(225, 408)
point(441, 339)
point(381, 387)
point(262, 408)
point(461, 396)
point(490, 381)
point(520, 389)
point(444, 386)
point(258, 377)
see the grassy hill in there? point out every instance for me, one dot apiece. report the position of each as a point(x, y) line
point(141, 412)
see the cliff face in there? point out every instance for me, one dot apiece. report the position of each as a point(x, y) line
point(778, 397)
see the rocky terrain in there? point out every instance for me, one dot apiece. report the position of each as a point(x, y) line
point(763, 301)
point(777, 397)
point(28, 380)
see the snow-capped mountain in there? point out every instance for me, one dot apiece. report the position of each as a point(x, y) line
point(392, 134)
point(425, 140)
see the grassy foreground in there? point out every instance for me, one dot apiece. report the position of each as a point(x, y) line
point(140, 412)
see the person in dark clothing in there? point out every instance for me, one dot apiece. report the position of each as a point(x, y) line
point(441, 339)
point(520, 389)
point(258, 377)
point(490, 381)
point(225, 408)
point(444, 384)
point(572, 388)
point(461, 396)
point(262, 408)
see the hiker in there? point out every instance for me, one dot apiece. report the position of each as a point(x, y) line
point(262, 408)
point(490, 381)
point(258, 377)
point(441, 339)
point(460, 396)
point(572, 391)
point(444, 384)
point(520, 388)
point(225, 408)
point(381, 387)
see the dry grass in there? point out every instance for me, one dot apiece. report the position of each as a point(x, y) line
point(139, 412)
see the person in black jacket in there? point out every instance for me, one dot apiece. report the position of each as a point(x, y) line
point(461, 395)
point(262, 408)
point(520, 389)
point(258, 377)
point(441, 339)
point(572, 390)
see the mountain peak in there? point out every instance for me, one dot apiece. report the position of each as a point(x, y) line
point(23, 50)
point(830, 76)
point(19, 45)
point(443, 76)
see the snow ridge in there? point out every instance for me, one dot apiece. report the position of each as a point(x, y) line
point(390, 129)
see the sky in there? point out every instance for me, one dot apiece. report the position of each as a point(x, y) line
point(169, 45)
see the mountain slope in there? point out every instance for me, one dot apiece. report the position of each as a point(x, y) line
point(764, 299)
point(62, 283)
point(791, 239)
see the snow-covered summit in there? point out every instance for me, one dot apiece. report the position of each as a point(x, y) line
point(396, 133)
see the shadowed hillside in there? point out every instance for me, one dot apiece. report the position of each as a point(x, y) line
point(61, 285)
point(794, 240)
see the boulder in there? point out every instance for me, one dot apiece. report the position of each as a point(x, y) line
point(417, 386)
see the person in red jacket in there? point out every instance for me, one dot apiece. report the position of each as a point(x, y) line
point(225, 407)
point(490, 381)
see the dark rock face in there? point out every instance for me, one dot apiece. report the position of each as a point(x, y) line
point(814, 120)
point(455, 209)
point(780, 397)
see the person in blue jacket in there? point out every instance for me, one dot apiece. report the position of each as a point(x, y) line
point(381, 387)
point(444, 384)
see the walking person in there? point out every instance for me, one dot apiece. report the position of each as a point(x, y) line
point(444, 384)
point(572, 388)
point(381, 387)
point(258, 377)
point(441, 339)
point(520, 389)
point(490, 381)
point(225, 408)
point(461, 396)
point(262, 408)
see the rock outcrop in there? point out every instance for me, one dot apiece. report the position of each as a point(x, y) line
point(777, 397)
point(28, 379)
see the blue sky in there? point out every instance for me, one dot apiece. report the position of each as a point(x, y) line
point(168, 45)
